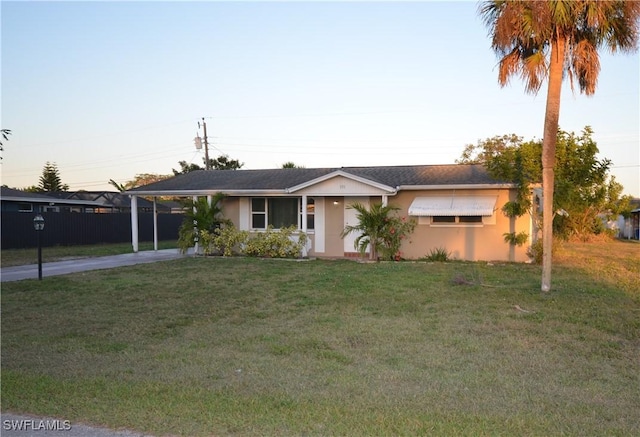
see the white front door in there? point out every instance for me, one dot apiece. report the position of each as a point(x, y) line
point(351, 220)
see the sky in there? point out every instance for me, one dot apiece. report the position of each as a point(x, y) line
point(109, 90)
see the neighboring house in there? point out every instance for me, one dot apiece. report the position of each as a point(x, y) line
point(635, 224)
point(456, 207)
point(629, 228)
point(13, 200)
point(110, 201)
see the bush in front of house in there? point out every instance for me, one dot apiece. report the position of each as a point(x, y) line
point(438, 254)
point(230, 241)
point(282, 243)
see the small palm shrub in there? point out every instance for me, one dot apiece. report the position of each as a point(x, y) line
point(380, 231)
point(200, 217)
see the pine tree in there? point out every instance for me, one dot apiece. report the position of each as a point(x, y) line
point(50, 180)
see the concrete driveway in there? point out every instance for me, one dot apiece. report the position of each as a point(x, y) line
point(30, 271)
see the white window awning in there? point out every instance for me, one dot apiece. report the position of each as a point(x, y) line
point(453, 206)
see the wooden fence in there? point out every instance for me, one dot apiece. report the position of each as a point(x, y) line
point(71, 229)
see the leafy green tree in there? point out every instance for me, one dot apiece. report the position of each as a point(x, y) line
point(291, 164)
point(508, 158)
point(584, 188)
point(222, 162)
point(186, 167)
point(50, 180)
point(379, 230)
point(144, 179)
point(200, 215)
point(540, 40)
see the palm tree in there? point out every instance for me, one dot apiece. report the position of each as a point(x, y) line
point(555, 39)
point(372, 224)
point(200, 215)
point(117, 186)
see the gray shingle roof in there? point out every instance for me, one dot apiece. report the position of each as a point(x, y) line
point(283, 178)
point(11, 193)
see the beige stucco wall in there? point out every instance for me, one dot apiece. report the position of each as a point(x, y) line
point(464, 242)
point(231, 210)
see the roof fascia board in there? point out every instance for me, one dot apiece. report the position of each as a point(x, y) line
point(188, 193)
point(51, 201)
point(343, 174)
point(454, 187)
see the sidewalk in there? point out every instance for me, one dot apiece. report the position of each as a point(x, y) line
point(30, 271)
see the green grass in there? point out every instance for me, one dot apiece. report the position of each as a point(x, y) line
point(18, 257)
point(217, 346)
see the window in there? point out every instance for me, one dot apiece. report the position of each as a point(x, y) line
point(25, 207)
point(311, 213)
point(452, 219)
point(470, 219)
point(258, 213)
point(444, 219)
point(283, 212)
point(280, 212)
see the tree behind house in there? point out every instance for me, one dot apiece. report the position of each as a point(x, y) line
point(583, 185)
point(222, 162)
point(50, 180)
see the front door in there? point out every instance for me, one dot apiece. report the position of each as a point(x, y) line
point(351, 220)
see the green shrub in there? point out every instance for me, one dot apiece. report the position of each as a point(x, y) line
point(276, 243)
point(439, 254)
point(205, 240)
point(535, 250)
point(230, 241)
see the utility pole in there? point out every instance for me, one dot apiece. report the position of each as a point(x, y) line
point(207, 165)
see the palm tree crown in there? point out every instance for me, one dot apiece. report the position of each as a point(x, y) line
point(523, 33)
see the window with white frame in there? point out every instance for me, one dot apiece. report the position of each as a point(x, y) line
point(280, 212)
point(311, 213)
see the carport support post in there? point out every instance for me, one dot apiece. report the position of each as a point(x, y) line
point(304, 213)
point(155, 225)
point(196, 246)
point(134, 223)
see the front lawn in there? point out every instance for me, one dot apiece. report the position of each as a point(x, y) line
point(217, 346)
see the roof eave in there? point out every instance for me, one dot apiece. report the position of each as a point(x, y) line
point(188, 193)
point(455, 187)
point(52, 201)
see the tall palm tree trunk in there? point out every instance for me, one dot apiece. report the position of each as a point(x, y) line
point(551, 119)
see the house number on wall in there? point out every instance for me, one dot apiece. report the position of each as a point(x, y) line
point(342, 187)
